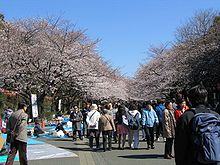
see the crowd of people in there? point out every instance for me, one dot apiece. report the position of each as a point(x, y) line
point(121, 122)
point(169, 119)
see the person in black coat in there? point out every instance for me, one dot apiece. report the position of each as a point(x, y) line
point(183, 145)
point(76, 118)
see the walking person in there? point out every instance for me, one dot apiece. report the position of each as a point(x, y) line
point(85, 111)
point(159, 111)
point(134, 117)
point(169, 124)
point(106, 126)
point(122, 126)
point(109, 108)
point(93, 121)
point(149, 120)
point(114, 111)
point(17, 135)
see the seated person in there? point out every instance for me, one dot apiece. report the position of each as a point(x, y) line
point(37, 129)
point(59, 127)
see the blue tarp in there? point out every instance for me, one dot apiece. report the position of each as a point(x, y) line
point(4, 158)
point(29, 142)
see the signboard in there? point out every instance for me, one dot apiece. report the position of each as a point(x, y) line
point(34, 105)
point(59, 105)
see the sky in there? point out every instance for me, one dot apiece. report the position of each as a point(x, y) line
point(126, 28)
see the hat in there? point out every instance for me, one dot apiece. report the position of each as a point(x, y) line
point(94, 107)
point(21, 105)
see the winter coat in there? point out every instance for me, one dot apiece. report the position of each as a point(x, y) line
point(21, 129)
point(76, 118)
point(159, 111)
point(92, 119)
point(149, 118)
point(169, 124)
point(106, 123)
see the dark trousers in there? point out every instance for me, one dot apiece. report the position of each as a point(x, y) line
point(21, 147)
point(93, 133)
point(168, 146)
point(159, 129)
point(74, 128)
point(149, 133)
point(107, 135)
point(115, 136)
point(74, 134)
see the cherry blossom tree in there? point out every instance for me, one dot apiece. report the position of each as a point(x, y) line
point(51, 58)
point(194, 58)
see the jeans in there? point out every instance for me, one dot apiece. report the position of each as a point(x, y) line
point(133, 134)
point(85, 130)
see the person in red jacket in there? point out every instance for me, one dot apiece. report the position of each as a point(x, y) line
point(182, 107)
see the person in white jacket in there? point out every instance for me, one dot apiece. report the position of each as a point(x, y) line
point(133, 135)
point(92, 122)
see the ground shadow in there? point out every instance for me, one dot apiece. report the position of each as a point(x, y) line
point(56, 139)
point(79, 144)
point(144, 156)
point(76, 149)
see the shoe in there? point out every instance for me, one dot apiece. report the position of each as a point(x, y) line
point(148, 147)
point(167, 157)
point(157, 140)
point(172, 156)
point(152, 147)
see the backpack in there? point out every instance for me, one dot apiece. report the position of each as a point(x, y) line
point(206, 137)
point(133, 122)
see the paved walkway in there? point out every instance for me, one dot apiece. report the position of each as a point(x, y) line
point(86, 157)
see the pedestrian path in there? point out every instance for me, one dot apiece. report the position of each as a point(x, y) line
point(122, 157)
point(85, 155)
